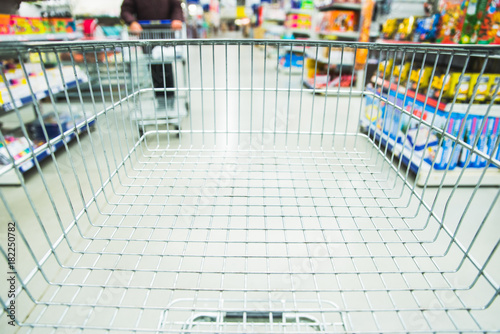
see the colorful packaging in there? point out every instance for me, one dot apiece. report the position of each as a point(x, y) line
point(58, 24)
point(469, 32)
point(494, 82)
point(494, 137)
point(406, 29)
point(448, 157)
point(37, 26)
point(390, 27)
point(426, 28)
point(343, 20)
point(47, 26)
point(496, 24)
point(451, 22)
point(20, 25)
point(404, 72)
point(385, 68)
point(488, 11)
point(307, 4)
point(451, 83)
point(485, 141)
point(483, 87)
point(481, 144)
point(4, 24)
point(424, 78)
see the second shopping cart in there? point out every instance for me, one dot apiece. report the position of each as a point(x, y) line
point(158, 71)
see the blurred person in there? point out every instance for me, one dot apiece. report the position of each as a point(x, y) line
point(133, 11)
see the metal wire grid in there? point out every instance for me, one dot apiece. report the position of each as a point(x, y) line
point(245, 225)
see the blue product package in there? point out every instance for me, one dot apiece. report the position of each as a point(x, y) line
point(483, 142)
point(480, 126)
point(493, 137)
point(456, 152)
point(444, 155)
point(418, 141)
point(469, 136)
point(392, 116)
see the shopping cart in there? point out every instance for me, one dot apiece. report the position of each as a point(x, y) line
point(275, 211)
point(155, 68)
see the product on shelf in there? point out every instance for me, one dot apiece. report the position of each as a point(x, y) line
point(339, 20)
point(18, 147)
point(452, 20)
point(401, 73)
point(494, 87)
point(298, 21)
point(385, 68)
point(20, 25)
point(390, 27)
point(406, 29)
point(496, 26)
point(426, 29)
point(291, 59)
point(364, 32)
point(4, 24)
point(307, 4)
point(51, 125)
point(63, 25)
point(451, 86)
point(320, 75)
point(486, 32)
point(420, 80)
point(383, 120)
point(483, 87)
point(19, 89)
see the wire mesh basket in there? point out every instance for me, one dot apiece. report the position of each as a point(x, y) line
point(278, 208)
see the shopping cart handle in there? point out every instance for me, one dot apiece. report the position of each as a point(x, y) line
point(154, 22)
point(254, 315)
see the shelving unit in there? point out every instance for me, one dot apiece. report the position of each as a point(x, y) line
point(50, 82)
point(339, 34)
point(347, 65)
point(28, 99)
point(41, 37)
point(418, 162)
point(341, 5)
point(41, 152)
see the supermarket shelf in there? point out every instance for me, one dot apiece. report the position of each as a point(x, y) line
point(300, 11)
point(299, 31)
point(470, 176)
point(475, 109)
point(293, 48)
point(353, 6)
point(41, 37)
point(10, 178)
point(323, 59)
point(423, 169)
point(331, 90)
point(286, 70)
point(274, 19)
point(341, 34)
point(391, 41)
point(19, 102)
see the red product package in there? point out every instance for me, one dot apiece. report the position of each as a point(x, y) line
point(4, 24)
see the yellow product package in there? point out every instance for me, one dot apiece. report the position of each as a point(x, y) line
point(494, 83)
point(451, 85)
point(483, 87)
point(424, 78)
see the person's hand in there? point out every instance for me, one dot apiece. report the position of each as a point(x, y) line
point(176, 25)
point(135, 27)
